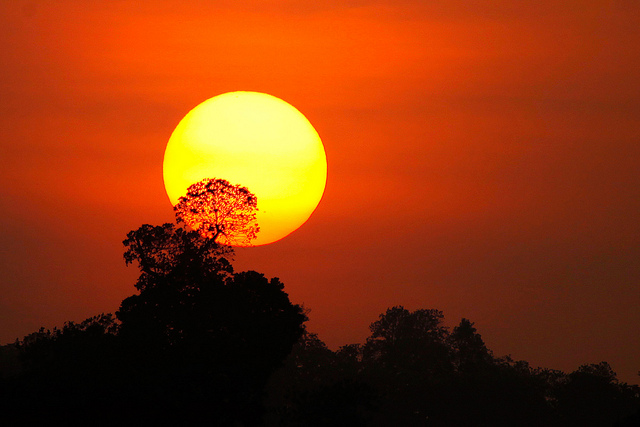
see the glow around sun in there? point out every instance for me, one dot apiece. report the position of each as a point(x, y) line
point(256, 141)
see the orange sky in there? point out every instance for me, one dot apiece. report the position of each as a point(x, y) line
point(484, 160)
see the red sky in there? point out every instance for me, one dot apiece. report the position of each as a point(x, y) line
point(484, 159)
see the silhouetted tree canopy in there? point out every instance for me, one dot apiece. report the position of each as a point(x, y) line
point(195, 346)
point(67, 375)
point(592, 395)
point(404, 338)
point(319, 387)
point(470, 354)
point(413, 371)
point(200, 344)
point(220, 211)
point(167, 253)
point(196, 319)
point(229, 349)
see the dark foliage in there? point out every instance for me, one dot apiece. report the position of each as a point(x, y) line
point(211, 368)
point(220, 211)
point(202, 345)
point(62, 374)
point(593, 396)
point(169, 254)
point(195, 346)
point(319, 387)
point(412, 371)
point(211, 337)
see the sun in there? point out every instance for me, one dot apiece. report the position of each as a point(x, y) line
point(256, 141)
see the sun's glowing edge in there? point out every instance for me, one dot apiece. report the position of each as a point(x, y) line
point(277, 155)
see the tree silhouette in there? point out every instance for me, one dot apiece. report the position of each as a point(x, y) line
point(470, 353)
point(404, 339)
point(198, 349)
point(67, 375)
point(209, 346)
point(407, 357)
point(166, 253)
point(202, 340)
point(220, 211)
point(195, 346)
point(592, 395)
point(317, 387)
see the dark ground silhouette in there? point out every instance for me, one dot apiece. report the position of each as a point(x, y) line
point(412, 371)
point(195, 346)
point(200, 344)
point(234, 352)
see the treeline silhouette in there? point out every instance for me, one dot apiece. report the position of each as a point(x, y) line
point(195, 346)
point(200, 344)
point(413, 371)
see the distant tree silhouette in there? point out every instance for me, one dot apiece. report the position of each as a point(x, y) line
point(317, 387)
point(399, 330)
point(220, 211)
point(495, 391)
point(471, 355)
point(413, 372)
point(202, 345)
point(407, 358)
point(592, 396)
point(67, 376)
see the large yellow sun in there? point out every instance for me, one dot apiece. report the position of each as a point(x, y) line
point(256, 141)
